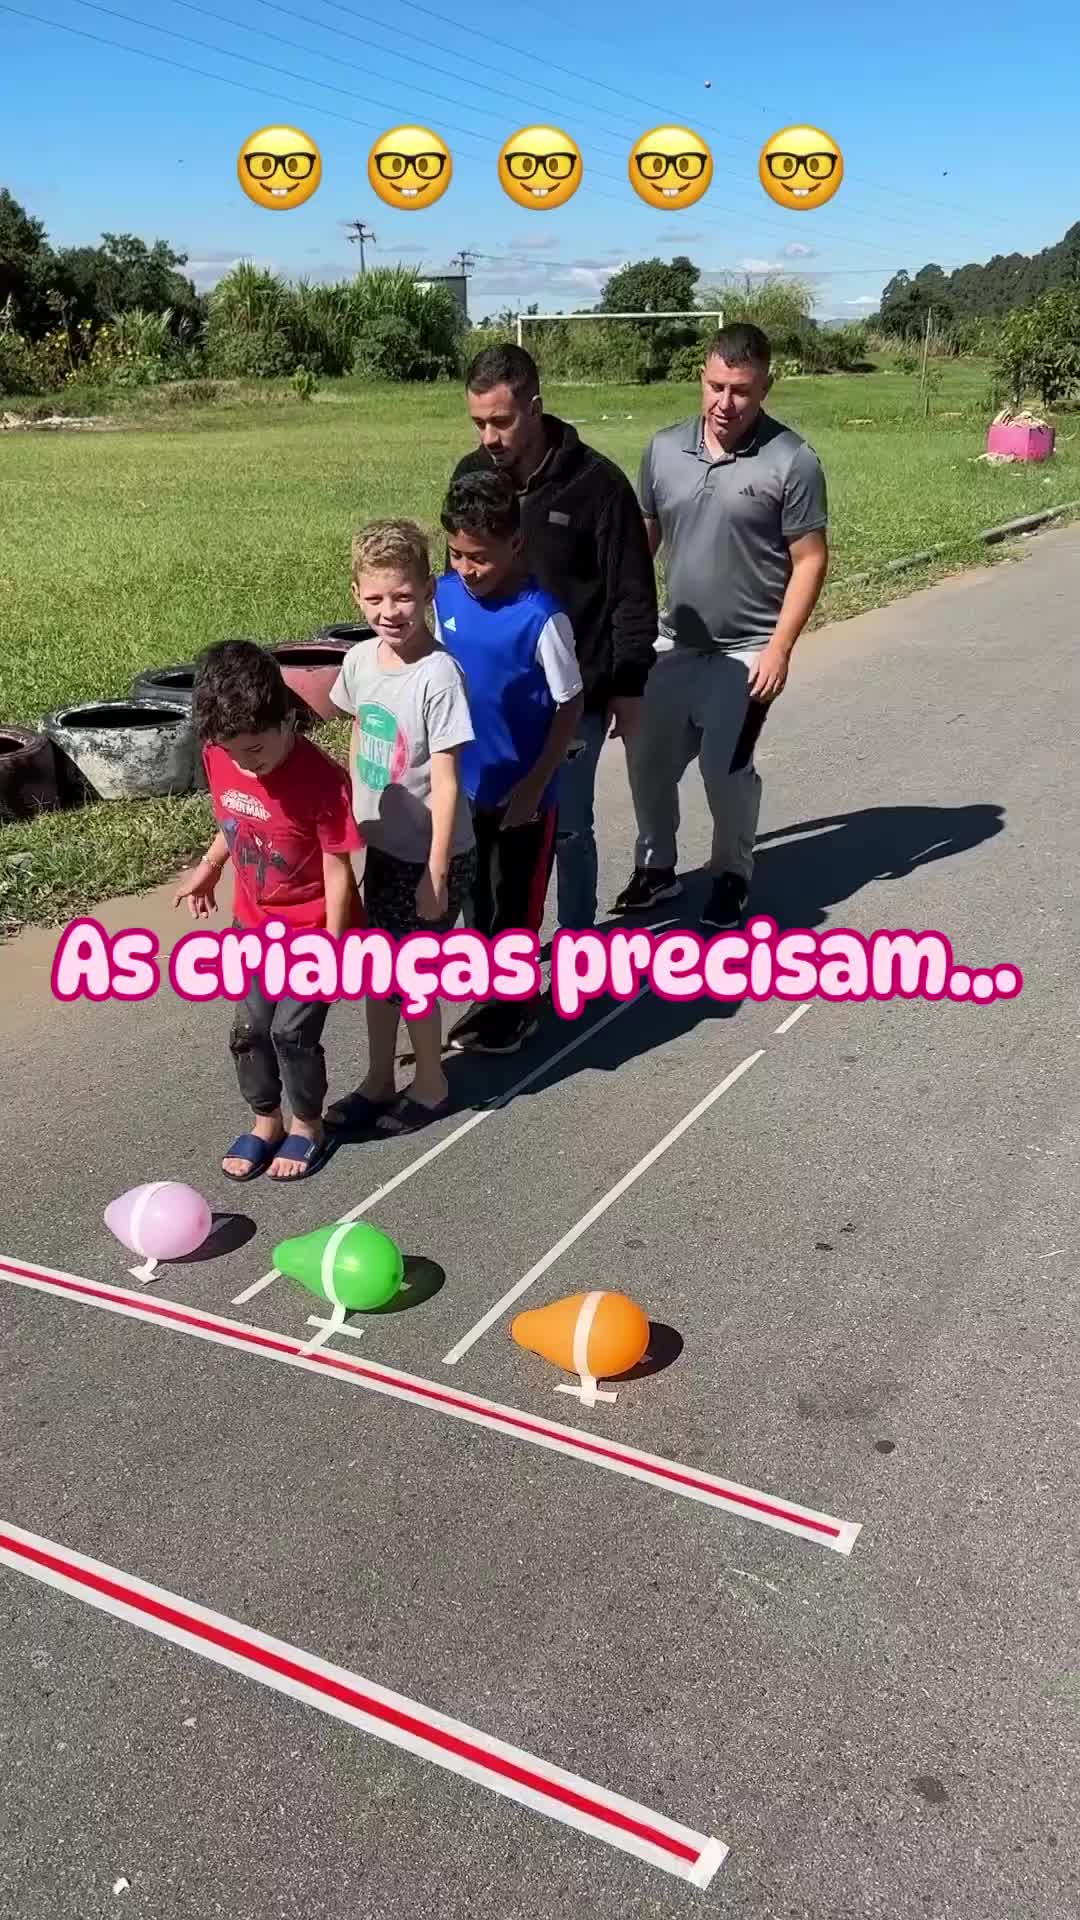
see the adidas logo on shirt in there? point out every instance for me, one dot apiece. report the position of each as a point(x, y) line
point(450, 625)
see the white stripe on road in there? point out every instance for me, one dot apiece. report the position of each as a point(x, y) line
point(648, 1160)
point(425, 1159)
point(375, 1710)
point(786, 1025)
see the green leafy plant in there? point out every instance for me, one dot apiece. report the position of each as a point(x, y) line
point(1039, 349)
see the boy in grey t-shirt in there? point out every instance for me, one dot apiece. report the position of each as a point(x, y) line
point(410, 721)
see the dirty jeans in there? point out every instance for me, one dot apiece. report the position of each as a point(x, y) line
point(280, 1040)
point(697, 707)
point(575, 841)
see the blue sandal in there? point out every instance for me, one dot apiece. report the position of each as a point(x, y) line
point(259, 1152)
point(311, 1154)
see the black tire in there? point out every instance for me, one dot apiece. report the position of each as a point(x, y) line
point(28, 774)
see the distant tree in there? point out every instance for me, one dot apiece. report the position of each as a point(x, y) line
point(652, 286)
point(999, 286)
point(95, 283)
point(24, 248)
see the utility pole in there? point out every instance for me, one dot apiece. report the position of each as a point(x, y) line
point(465, 261)
point(359, 232)
point(925, 352)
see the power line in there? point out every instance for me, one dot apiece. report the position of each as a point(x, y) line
point(469, 133)
point(181, 66)
point(524, 53)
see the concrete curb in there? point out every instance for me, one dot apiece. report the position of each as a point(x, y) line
point(990, 536)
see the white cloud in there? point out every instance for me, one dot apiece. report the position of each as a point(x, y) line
point(533, 242)
point(679, 236)
point(864, 300)
point(796, 251)
point(761, 266)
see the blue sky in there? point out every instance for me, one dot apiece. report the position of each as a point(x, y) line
point(956, 142)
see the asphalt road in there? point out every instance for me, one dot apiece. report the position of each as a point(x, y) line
point(866, 1253)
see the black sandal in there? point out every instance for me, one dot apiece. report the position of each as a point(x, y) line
point(408, 1116)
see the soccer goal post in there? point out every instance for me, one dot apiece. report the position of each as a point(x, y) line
point(694, 313)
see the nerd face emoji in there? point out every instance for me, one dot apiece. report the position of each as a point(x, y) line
point(540, 167)
point(410, 168)
point(279, 167)
point(670, 167)
point(800, 168)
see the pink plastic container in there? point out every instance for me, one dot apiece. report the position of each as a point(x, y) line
point(1023, 443)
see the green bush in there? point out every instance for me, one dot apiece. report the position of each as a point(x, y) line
point(1039, 349)
point(34, 367)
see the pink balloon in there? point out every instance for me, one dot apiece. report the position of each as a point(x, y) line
point(162, 1221)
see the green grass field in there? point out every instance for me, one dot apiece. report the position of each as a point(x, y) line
point(133, 548)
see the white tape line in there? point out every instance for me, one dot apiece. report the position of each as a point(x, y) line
point(327, 1328)
point(586, 1390)
point(137, 1212)
point(459, 1133)
point(375, 1710)
point(434, 1396)
point(648, 1160)
point(335, 1325)
point(786, 1025)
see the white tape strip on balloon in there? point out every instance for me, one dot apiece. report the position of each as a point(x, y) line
point(149, 1268)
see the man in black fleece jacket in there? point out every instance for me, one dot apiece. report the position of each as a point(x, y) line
point(585, 542)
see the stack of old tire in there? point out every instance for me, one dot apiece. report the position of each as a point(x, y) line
point(144, 746)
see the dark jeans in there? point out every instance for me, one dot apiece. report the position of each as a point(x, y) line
point(280, 1040)
point(513, 868)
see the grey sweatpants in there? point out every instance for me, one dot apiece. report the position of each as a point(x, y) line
point(695, 708)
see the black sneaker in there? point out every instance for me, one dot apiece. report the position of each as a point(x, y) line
point(647, 886)
point(463, 1034)
point(726, 903)
point(502, 1026)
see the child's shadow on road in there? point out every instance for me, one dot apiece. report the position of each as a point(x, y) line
point(802, 872)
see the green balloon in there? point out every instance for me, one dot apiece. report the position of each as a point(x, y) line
point(358, 1266)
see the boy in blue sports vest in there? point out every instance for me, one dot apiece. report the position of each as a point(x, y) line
point(515, 646)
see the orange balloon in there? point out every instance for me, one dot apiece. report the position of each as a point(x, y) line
point(599, 1334)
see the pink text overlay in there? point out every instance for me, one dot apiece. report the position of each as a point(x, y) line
point(761, 963)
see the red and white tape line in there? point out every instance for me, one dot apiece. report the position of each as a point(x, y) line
point(727, 1495)
point(393, 1717)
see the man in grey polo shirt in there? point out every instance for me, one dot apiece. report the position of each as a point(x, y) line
point(738, 503)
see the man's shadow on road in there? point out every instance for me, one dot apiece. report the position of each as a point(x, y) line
point(802, 872)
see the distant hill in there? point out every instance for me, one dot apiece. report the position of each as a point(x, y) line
point(980, 292)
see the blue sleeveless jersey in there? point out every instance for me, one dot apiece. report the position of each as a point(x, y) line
point(494, 642)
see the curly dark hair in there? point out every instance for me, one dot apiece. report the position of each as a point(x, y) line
point(482, 503)
point(238, 689)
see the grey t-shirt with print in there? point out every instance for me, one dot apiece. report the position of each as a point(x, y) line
point(402, 716)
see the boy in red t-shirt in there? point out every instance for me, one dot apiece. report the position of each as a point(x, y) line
point(286, 821)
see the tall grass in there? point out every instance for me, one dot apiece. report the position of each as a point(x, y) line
point(383, 324)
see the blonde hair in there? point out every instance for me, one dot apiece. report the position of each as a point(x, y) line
point(398, 546)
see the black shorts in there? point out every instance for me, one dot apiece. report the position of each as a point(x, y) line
point(390, 893)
